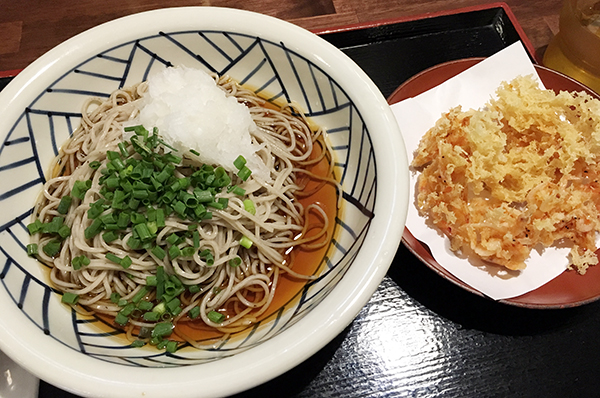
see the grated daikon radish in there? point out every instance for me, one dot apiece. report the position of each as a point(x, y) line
point(192, 112)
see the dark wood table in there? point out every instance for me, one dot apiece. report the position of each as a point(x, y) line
point(29, 28)
point(419, 335)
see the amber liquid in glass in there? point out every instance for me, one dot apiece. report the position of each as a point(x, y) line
point(575, 50)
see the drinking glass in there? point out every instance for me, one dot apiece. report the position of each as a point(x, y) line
point(575, 50)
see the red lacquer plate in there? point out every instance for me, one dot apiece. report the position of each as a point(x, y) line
point(568, 289)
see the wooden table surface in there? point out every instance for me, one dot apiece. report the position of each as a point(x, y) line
point(28, 28)
point(419, 335)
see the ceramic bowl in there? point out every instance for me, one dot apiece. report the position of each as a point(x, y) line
point(41, 107)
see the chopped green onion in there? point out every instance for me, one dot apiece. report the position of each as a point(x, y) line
point(249, 206)
point(151, 280)
point(223, 201)
point(79, 262)
point(208, 257)
point(216, 205)
point(123, 150)
point(246, 242)
point(69, 298)
point(174, 252)
point(158, 252)
point(121, 319)
point(80, 188)
point(169, 157)
point(93, 229)
point(134, 243)
point(126, 262)
point(32, 249)
point(140, 195)
point(173, 304)
point(172, 239)
point(64, 231)
point(239, 191)
point(113, 258)
point(162, 344)
point(110, 236)
point(112, 182)
point(112, 155)
point(118, 164)
point(142, 231)
point(151, 316)
point(95, 164)
point(194, 312)
point(163, 175)
point(118, 199)
point(239, 162)
point(65, 203)
point(126, 185)
point(115, 297)
point(194, 289)
point(108, 218)
point(137, 218)
point(244, 173)
point(53, 226)
point(175, 280)
point(34, 226)
point(160, 308)
point(152, 227)
point(162, 329)
point(160, 281)
point(188, 251)
point(52, 248)
point(139, 295)
point(123, 220)
point(196, 239)
point(203, 196)
point(94, 212)
point(179, 208)
point(128, 309)
point(200, 210)
point(145, 305)
point(235, 262)
point(160, 217)
point(216, 317)
point(171, 346)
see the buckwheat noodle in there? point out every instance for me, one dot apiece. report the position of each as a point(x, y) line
point(279, 224)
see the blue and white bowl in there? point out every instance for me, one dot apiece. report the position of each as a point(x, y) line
point(40, 109)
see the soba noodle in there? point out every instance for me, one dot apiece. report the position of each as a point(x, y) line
point(232, 285)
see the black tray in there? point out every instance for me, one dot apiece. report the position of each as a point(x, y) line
point(390, 52)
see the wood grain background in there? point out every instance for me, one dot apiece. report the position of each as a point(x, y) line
point(29, 28)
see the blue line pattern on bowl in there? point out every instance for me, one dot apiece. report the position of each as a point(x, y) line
point(274, 72)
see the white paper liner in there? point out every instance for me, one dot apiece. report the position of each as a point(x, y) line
point(472, 89)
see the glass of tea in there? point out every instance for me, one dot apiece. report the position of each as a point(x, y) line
point(575, 50)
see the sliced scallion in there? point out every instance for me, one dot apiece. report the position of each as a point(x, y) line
point(65, 203)
point(246, 242)
point(215, 316)
point(69, 298)
point(194, 312)
point(32, 249)
point(249, 206)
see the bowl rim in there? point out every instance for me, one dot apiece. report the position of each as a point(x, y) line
point(66, 368)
